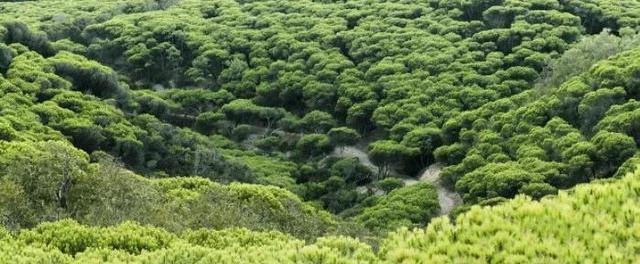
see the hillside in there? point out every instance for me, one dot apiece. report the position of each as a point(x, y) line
point(585, 224)
point(319, 131)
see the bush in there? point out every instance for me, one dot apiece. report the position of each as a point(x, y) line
point(389, 184)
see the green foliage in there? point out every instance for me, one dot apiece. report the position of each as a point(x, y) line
point(517, 230)
point(71, 238)
point(153, 110)
point(343, 136)
point(52, 180)
point(314, 144)
point(586, 129)
point(227, 238)
point(416, 70)
point(521, 230)
point(351, 170)
point(316, 122)
point(504, 179)
point(412, 205)
point(6, 55)
point(39, 178)
point(426, 140)
point(389, 184)
point(93, 77)
point(388, 153)
point(17, 32)
point(583, 55)
point(246, 112)
point(612, 150)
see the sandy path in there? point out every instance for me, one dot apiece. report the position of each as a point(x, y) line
point(447, 199)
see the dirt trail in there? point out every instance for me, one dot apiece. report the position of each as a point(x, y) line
point(447, 199)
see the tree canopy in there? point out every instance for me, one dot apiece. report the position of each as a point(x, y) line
point(306, 131)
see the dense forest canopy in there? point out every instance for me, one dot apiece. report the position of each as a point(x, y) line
point(319, 131)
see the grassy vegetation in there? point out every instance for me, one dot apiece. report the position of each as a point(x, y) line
point(156, 118)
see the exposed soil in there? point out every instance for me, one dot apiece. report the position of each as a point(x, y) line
point(447, 199)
